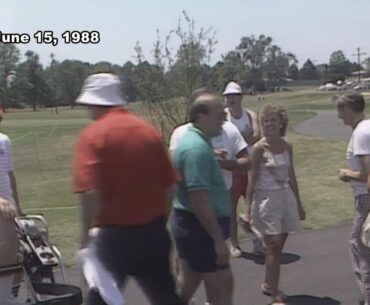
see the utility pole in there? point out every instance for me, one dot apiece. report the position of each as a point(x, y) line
point(358, 54)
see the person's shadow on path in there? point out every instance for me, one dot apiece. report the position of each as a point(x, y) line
point(310, 300)
point(286, 258)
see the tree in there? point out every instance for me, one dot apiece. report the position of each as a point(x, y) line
point(252, 52)
point(277, 65)
point(69, 77)
point(127, 78)
point(30, 84)
point(9, 57)
point(339, 65)
point(308, 71)
point(293, 72)
point(229, 68)
point(106, 67)
point(262, 60)
point(49, 76)
point(174, 73)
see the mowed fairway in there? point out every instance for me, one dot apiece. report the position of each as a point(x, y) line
point(42, 147)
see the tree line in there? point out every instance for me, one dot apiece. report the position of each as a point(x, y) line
point(256, 63)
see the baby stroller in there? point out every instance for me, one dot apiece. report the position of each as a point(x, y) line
point(38, 258)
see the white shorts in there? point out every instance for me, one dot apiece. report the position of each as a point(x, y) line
point(275, 211)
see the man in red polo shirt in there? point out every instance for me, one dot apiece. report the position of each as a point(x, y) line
point(124, 180)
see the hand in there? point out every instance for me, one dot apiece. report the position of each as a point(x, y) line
point(301, 212)
point(343, 175)
point(222, 253)
point(7, 210)
point(245, 222)
point(220, 153)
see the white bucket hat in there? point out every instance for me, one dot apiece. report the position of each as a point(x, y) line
point(101, 89)
point(232, 88)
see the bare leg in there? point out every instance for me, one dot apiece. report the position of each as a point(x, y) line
point(188, 280)
point(234, 241)
point(219, 287)
point(274, 245)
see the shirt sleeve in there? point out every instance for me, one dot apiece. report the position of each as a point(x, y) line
point(176, 136)
point(361, 143)
point(168, 174)
point(237, 141)
point(197, 170)
point(9, 158)
point(85, 166)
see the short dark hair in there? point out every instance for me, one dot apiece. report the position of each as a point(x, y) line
point(198, 92)
point(196, 109)
point(200, 105)
point(352, 99)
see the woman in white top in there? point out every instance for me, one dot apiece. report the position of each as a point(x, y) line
point(276, 207)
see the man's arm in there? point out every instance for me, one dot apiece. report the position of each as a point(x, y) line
point(90, 206)
point(241, 163)
point(7, 210)
point(206, 216)
point(252, 135)
point(346, 174)
point(13, 185)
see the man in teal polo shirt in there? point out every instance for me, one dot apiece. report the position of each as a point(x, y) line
point(201, 219)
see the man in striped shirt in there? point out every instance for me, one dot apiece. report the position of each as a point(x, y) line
point(9, 208)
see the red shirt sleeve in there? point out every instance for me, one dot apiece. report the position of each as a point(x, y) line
point(85, 166)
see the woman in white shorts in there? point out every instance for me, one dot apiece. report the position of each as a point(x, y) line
point(276, 208)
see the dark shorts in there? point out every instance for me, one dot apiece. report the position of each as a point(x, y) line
point(194, 244)
point(141, 251)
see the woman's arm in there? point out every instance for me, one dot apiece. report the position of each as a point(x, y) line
point(256, 160)
point(294, 185)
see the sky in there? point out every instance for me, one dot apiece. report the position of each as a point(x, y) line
point(307, 28)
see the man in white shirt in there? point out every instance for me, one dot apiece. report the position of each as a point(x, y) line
point(246, 121)
point(9, 208)
point(350, 108)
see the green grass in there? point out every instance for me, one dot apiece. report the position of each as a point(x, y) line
point(42, 145)
point(42, 148)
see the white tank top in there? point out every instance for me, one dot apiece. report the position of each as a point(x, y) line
point(274, 173)
point(243, 123)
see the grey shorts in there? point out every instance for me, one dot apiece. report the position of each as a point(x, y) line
point(275, 211)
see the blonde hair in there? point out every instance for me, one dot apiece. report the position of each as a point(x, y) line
point(280, 111)
point(354, 100)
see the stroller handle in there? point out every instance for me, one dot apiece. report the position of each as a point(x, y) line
point(34, 217)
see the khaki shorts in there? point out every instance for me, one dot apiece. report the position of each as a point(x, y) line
point(275, 211)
